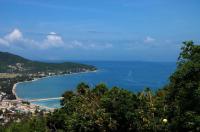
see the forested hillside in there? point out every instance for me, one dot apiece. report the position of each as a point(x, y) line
point(14, 63)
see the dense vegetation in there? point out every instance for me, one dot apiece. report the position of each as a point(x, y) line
point(13, 63)
point(6, 85)
point(176, 107)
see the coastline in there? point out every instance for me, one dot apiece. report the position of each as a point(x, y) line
point(15, 86)
point(36, 79)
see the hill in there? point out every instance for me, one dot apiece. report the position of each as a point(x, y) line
point(10, 63)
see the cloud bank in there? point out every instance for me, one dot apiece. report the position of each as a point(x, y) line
point(52, 40)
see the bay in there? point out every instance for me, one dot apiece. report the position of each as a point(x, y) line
point(130, 75)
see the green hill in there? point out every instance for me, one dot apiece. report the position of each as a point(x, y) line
point(14, 63)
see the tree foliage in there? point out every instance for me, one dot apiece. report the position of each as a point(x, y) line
point(183, 98)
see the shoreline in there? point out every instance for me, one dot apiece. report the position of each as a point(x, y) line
point(36, 79)
point(15, 86)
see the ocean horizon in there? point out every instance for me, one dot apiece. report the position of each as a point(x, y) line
point(134, 76)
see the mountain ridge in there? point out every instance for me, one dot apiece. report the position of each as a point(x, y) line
point(14, 63)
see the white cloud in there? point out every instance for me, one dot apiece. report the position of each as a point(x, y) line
point(4, 42)
point(15, 38)
point(149, 39)
point(15, 35)
point(12, 37)
point(52, 33)
point(52, 39)
point(98, 46)
point(89, 45)
point(77, 43)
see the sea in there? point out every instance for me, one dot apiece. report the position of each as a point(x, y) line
point(134, 76)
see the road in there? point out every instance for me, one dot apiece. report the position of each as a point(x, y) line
point(45, 99)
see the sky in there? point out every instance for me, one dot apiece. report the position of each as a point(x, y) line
point(123, 30)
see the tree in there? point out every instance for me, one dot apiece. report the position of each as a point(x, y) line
point(66, 97)
point(82, 88)
point(121, 105)
point(100, 89)
point(183, 96)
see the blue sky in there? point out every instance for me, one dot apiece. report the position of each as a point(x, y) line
point(144, 30)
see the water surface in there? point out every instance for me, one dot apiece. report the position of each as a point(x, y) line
point(133, 76)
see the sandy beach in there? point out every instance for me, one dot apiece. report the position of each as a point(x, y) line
point(14, 91)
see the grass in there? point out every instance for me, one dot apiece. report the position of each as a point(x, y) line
point(8, 75)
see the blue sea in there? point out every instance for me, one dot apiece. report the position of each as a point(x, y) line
point(133, 76)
